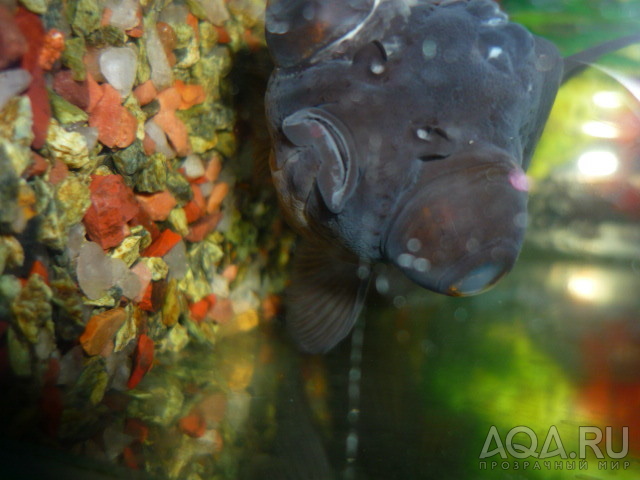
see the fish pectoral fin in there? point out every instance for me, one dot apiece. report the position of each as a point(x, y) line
point(324, 299)
point(327, 152)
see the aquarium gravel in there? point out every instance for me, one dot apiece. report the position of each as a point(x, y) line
point(132, 277)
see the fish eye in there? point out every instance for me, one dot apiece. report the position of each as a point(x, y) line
point(429, 133)
point(374, 57)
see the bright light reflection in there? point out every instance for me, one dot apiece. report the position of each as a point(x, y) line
point(601, 129)
point(606, 99)
point(583, 286)
point(598, 163)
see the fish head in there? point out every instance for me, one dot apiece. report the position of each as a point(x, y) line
point(460, 230)
point(403, 136)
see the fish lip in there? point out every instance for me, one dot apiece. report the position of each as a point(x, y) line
point(456, 273)
point(505, 159)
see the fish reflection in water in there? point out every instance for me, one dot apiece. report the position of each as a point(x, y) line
point(401, 133)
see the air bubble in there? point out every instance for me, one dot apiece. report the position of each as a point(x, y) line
point(429, 48)
point(399, 301)
point(382, 284)
point(363, 272)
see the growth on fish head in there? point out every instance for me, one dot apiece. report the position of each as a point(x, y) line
point(402, 130)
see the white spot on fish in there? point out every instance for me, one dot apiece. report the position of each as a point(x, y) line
point(413, 245)
point(495, 21)
point(472, 245)
point(278, 27)
point(494, 52)
point(309, 12)
point(423, 134)
point(405, 260)
point(421, 264)
point(429, 48)
point(520, 220)
point(377, 67)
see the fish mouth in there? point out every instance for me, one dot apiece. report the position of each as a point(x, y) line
point(478, 272)
point(460, 227)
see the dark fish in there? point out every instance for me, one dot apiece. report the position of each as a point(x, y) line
point(401, 132)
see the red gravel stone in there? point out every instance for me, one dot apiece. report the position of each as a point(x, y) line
point(38, 166)
point(33, 31)
point(143, 360)
point(58, 172)
point(71, 90)
point(12, 43)
point(199, 229)
point(112, 206)
point(161, 245)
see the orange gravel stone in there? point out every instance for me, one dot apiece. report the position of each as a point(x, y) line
point(51, 49)
point(213, 168)
point(192, 21)
point(157, 205)
point(223, 35)
point(95, 93)
point(100, 330)
point(222, 311)
point(193, 425)
point(190, 94)
point(148, 145)
point(169, 99)
point(230, 273)
point(116, 125)
point(176, 131)
point(218, 193)
point(145, 92)
point(38, 268)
